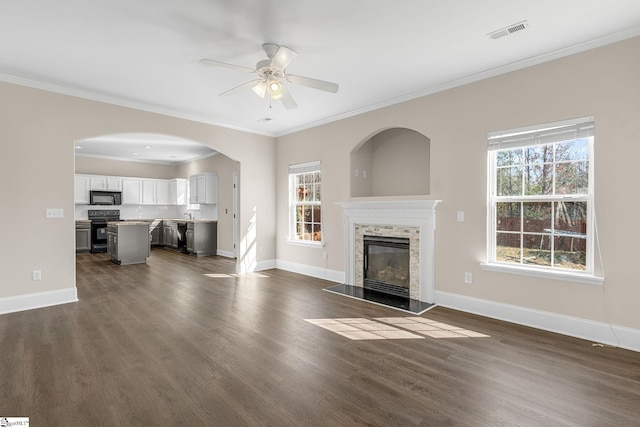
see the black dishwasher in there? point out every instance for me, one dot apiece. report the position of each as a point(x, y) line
point(182, 237)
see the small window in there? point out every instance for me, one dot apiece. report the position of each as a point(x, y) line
point(541, 196)
point(305, 185)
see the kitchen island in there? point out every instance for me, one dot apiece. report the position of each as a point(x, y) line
point(190, 236)
point(128, 242)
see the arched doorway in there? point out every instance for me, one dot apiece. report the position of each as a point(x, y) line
point(163, 158)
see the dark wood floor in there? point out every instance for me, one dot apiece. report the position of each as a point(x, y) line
point(181, 341)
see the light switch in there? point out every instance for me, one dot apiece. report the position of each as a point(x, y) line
point(460, 216)
point(54, 213)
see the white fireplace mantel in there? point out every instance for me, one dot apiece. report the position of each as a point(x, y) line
point(400, 213)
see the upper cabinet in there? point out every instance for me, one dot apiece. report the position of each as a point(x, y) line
point(203, 189)
point(106, 183)
point(131, 191)
point(162, 192)
point(143, 191)
point(178, 191)
point(81, 190)
point(149, 195)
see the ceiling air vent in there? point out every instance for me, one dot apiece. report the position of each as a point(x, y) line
point(265, 119)
point(509, 30)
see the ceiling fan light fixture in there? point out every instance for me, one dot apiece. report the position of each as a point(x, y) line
point(275, 89)
point(260, 89)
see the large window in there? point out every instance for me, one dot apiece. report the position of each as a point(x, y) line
point(305, 184)
point(540, 196)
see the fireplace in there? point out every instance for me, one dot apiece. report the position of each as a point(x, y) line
point(389, 224)
point(386, 265)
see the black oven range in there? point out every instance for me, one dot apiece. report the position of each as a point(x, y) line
point(99, 219)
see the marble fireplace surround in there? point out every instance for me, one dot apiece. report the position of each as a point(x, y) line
point(413, 219)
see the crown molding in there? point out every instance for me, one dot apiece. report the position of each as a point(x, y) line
point(493, 72)
point(518, 65)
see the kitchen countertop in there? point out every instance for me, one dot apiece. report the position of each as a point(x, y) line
point(127, 222)
point(199, 220)
point(147, 220)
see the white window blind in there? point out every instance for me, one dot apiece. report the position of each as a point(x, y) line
point(538, 135)
point(304, 167)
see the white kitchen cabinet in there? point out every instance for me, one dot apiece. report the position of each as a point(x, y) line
point(81, 190)
point(203, 189)
point(105, 183)
point(131, 191)
point(148, 191)
point(178, 191)
point(162, 192)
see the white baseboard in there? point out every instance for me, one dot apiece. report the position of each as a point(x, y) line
point(307, 270)
point(38, 300)
point(599, 332)
point(257, 266)
point(226, 254)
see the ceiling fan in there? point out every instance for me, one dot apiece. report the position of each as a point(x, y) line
point(272, 74)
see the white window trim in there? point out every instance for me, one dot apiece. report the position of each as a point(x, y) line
point(587, 276)
point(568, 275)
point(296, 169)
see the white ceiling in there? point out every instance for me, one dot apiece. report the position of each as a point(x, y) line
point(145, 53)
point(143, 147)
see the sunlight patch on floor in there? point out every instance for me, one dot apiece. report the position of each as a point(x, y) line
point(362, 329)
point(431, 328)
point(225, 275)
point(383, 328)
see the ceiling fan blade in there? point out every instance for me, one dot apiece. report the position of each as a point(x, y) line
point(287, 99)
point(224, 64)
point(283, 58)
point(240, 87)
point(313, 83)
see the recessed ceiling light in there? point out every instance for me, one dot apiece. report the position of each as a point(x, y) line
point(78, 147)
point(135, 154)
point(148, 147)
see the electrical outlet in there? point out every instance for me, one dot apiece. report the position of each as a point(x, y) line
point(468, 278)
point(325, 255)
point(460, 216)
point(36, 275)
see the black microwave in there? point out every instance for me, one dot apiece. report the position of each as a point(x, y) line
point(105, 198)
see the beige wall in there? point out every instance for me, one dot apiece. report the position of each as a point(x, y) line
point(603, 82)
point(361, 160)
point(37, 132)
point(109, 167)
point(224, 167)
point(400, 163)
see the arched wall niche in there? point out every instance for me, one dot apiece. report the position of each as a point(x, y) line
point(392, 162)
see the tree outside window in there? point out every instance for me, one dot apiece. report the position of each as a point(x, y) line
point(541, 196)
point(306, 207)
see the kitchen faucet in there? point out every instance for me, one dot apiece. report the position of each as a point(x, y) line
point(189, 214)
